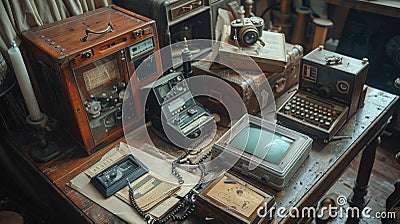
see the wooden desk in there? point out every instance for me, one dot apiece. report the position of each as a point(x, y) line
point(324, 166)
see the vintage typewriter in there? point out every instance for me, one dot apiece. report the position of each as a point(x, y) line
point(330, 91)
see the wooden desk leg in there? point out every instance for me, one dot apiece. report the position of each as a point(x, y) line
point(357, 198)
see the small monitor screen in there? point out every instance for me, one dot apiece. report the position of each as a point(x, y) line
point(163, 90)
point(258, 144)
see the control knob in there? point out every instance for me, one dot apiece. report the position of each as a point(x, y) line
point(324, 92)
point(93, 108)
point(109, 121)
point(176, 120)
point(118, 114)
point(123, 95)
point(105, 104)
point(179, 88)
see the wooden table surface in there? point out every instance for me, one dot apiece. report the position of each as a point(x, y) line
point(323, 167)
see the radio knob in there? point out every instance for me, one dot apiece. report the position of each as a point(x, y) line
point(113, 173)
point(118, 114)
point(123, 95)
point(109, 121)
point(93, 108)
point(176, 120)
point(324, 91)
point(105, 104)
point(179, 88)
point(137, 33)
point(86, 54)
point(343, 86)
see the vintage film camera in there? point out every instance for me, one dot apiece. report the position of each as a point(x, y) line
point(170, 101)
point(84, 79)
point(247, 30)
point(331, 89)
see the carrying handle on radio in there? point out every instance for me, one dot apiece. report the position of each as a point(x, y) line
point(106, 30)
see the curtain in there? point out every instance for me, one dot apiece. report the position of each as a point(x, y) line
point(20, 15)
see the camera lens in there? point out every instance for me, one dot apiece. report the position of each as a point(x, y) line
point(250, 37)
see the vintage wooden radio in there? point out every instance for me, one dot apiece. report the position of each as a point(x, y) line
point(82, 65)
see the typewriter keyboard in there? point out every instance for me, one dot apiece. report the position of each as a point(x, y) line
point(310, 110)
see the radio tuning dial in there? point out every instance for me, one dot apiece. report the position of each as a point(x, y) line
point(123, 95)
point(109, 121)
point(93, 108)
point(343, 86)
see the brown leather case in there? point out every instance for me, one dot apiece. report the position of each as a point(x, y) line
point(279, 82)
point(241, 84)
point(59, 61)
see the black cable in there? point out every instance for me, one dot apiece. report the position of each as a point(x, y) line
point(187, 201)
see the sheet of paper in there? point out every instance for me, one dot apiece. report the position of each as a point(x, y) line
point(115, 205)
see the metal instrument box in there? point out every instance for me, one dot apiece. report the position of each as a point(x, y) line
point(333, 76)
point(279, 82)
point(330, 92)
point(278, 152)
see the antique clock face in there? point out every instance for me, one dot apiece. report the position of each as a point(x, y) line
point(236, 196)
point(393, 50)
